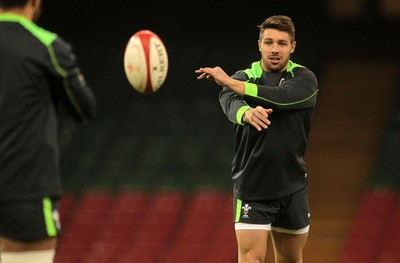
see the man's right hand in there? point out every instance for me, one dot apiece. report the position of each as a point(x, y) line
point(258, 117)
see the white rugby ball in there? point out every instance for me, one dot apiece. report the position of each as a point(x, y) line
point(145, 61)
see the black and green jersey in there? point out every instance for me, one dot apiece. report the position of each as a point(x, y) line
point(270, 164)
point(38, 74)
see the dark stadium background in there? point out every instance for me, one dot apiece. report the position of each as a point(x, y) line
point(179, 130)
point(179, 139)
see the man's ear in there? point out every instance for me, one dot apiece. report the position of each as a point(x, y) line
point(293, 47)
point(35, 6)
point(35, 3)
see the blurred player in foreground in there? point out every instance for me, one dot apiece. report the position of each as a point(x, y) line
point(271, 105)
point(39, 76)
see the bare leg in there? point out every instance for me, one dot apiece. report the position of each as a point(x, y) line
point(18, 246)
point(252, 245)
point(288, 248)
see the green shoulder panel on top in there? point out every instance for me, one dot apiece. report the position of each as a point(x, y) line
point(255, 71)
point(292, 66)
point(43, 35)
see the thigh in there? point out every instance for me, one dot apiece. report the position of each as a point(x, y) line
point(252, 244)
point(288, 247)
point(9, 245)
point(252, 225)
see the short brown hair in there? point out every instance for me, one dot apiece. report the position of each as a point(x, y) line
point(278, 22)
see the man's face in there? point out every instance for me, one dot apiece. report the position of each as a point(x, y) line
point(275, 48)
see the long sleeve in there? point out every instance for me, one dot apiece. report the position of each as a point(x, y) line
point(299, 92)
point(71, 87)
point(269, 164)
point(293, 89)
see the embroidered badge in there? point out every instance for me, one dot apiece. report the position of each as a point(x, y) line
point(246, 208)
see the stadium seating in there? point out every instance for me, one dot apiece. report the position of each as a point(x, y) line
point(134, 226)
point(371, 228)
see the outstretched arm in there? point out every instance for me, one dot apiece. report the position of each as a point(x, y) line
point(257, 117)
point(218, 75)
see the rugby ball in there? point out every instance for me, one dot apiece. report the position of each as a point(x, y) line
point(145, 61)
